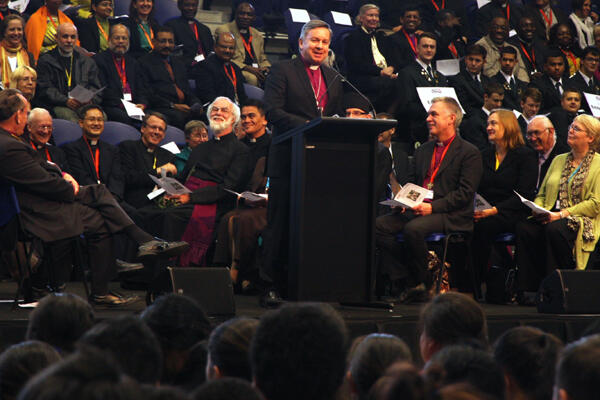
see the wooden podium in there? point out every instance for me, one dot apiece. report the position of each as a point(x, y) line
point(332, 208)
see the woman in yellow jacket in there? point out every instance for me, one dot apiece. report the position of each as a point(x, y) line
point(565, 237)
point(40, 30)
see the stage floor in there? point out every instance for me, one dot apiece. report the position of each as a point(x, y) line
point(401, 321)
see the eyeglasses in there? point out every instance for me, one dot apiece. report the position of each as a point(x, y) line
point(576, 128)
point(592, 59)
point(531, 134)
point(94, 119)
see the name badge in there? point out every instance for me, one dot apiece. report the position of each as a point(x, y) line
point(429, 195)
point(199, 57)
point(255, 65)
point(557, 206)
point(127, 96)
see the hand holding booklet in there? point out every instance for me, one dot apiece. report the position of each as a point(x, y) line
point(170, 185)
point(250, 196)
point(409, 196)
point(481, 203)
point(534, 207)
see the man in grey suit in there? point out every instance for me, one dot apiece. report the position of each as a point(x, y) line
point(450, 168)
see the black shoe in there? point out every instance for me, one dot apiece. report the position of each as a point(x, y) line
point(270, 299)
point(417, 294)
point(161, 248)
point(110, 300)
point(124, 267)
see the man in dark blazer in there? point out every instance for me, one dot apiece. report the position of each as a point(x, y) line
point(541, 137)
point(430, 8)
point(38, 134)
point(531, 48)
point(497, 8)
point(563, 116)
point(531, 100)
point(167, 81)
point(584, 79)
point(551, 83)
point(92, 160)
point(405, 39)
point(474, 128)
point(55, 208)
point(195, 37)
point(545, 16)
point(419, 73)
point(470, 81)
point(296, 91)
point(450, 168)
point(121, 76)
point(513, 86)
point(218, 76)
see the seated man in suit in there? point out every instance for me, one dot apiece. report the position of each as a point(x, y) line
point(474, 128)
point(531, 100)
point(545, 16)
point(214, 167)
point(405, 39)
point(584, 80)
point(167, 81)
point(470, 81)
point(531, 48)
point(60, 71)
point(38, 135)
point(54, 207)
point(195, 37)
point(371, 59)
point(420, 73)
point(541, 137)
point(563, 116)
point(218, 75)
point(239, 229)
point(509, 9)
point(121, 76)
point(551, 83)
point(450, 168)
point(513, 86)
point(493, 42)
point(250, 47)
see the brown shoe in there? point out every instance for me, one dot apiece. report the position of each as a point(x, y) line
point(110, 300)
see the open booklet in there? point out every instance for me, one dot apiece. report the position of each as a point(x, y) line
point(410, 195)
point(250, 196)
point(166, 184)
point(534, 207)
point(481, 203)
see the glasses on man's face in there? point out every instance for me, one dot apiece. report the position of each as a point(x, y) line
point(94, 119)
point(535, 133)
point(592, 59)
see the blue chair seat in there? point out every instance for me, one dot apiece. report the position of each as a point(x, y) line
point(505, 237)
point(432, 237)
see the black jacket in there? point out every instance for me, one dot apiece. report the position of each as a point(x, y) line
point(212, 81)
point(89, 34)
point(468, 90)
point(113, 87)
point(135, 47)
point(550, 96)
point(512, 96)
point(184, 35)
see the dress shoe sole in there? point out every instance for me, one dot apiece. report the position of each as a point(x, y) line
point(171, 251)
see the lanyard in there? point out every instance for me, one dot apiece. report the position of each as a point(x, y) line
point(508, 12)
point(154, 164)
point(435, 171)
point(102, 30)
point(69, 73)
point(453, 50)
point(48, 153)
point(437, 8)
point(52, 20)
point(530, 58)
point(195, 29)
point(248, 46)
point(121, 71)
point(231, 76)
point(571, 56)
point(548, 19)
point(410, 42)
point(573, 173)
point(1, 17)
point(95, 159)
point(149, 36)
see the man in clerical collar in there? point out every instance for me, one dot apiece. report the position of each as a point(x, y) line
point(120, 74)
point(39, 132)
point(61, 70)
point(449, 168)
point(250, 46)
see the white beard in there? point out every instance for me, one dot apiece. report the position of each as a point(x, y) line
point(219, 127)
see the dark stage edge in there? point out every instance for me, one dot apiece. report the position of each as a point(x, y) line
point(402, 321)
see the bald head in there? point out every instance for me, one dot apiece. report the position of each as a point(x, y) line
point(540, 134)
point(225, 46)
point(66, 37)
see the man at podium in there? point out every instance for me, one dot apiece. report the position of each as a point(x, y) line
point(296, 91)
point(450, 168)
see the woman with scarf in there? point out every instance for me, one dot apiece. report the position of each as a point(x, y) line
point(142, 25)
point(94, 31)
point(12, 50)
point(583, 23)
point(565, 236)
point(40, 30)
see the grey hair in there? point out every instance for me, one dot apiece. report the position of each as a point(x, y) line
point(363, 9)
point(546, 121)
point(35, 113)
point(314, 24)
point(454, 107)
point(235, 109)
point(112, 27)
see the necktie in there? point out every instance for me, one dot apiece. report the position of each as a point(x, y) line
point(430, 71)
point(512, 84)
point(558, 88)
